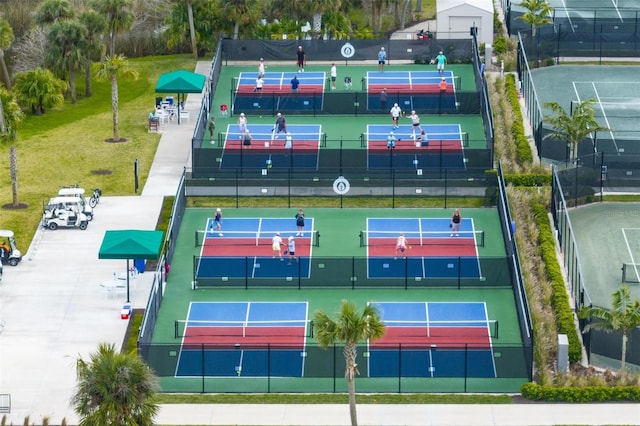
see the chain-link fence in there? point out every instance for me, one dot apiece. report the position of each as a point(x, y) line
point(446, 367)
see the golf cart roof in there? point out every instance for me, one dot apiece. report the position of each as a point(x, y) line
point(65, 200)
point(71, 191)
point(6, 233)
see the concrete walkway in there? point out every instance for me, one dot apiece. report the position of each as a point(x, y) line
point(60, 303)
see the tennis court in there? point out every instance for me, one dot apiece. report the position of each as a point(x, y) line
point(267, 149)
point(433, 250)
point(439, 339)
point(442, 146)
point(277, 94)
point(413, 89)
point(612, 88)
point(219, 339)
point(244, 249)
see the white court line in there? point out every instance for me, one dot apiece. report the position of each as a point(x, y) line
point(564, 5)
point(617, 10)
point(606, 120)
point(633, 262)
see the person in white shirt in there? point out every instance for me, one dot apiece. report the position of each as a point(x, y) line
point(261, 68)
point(259, 85)
point(415, 125)
point(395, 114)
point(242, 124)
point(276, 243)
point(334, 76)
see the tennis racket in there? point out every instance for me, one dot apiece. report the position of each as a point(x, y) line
point(286, 252)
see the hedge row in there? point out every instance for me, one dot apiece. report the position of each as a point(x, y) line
point(562, 307)
point(523, 150)
point(534, 391)
point(528, 179)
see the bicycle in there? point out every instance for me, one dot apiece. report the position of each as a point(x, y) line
point(95, 197)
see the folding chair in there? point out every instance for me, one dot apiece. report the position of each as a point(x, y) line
point(347, 83)
point(224, 110)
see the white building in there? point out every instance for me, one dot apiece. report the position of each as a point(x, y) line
point(455, 18)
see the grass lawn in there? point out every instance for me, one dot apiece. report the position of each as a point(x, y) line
point(67, 145)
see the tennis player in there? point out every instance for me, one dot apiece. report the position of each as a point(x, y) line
point(440, 61)
point(261, 68)
point(242, 124)
point(401, 244)
point(391, 141)
point(276, 243)
point(217, 221)
point(300, 222)
point(456, 219)
point(415, 125)
point(443, 85)
point(280, 126)
point(395, 114)
point(291, 248)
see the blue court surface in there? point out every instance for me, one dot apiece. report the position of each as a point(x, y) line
point(276, 93)
point(255, 339)
point(267, 149)
point(441, 147)
point(438, 339)
point(244, 249)
point(418, 90)
point(434, 252)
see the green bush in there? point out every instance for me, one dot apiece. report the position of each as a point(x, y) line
point(528, 179)
point(523, 149)
point(500, 45)
point(561, 305)
point(537, 392)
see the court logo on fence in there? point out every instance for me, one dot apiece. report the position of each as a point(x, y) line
point(347, 50)
point(341, 185)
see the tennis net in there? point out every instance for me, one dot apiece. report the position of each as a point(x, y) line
point(449, 328)
point(193, 328)
point(424, 238)
point(317, 138)
point(461, 136)
point(629, 109)
point(394, 83)
point(213, 238)
point(631, 273)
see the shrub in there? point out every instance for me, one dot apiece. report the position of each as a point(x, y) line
point(537, 392)
point(500, 45)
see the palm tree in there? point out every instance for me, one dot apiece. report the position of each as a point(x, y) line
point(95, 25)
point(114, 389)
point(39, 89)
point(67, 40)
point(317, 8)
point(575, 127)
point(112, 68)
point(537, 14)
point(119, 17)
point(53, 11)
point(192, 31)
point(349, 328)
point(240, 12)
point(623, 316)
point(10, 118)
point(6, 39)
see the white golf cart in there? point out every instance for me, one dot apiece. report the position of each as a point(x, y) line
point(79, 194)
point(64, 212)
point(9, 252)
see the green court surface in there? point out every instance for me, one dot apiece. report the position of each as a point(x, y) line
point(607, 235)
point(345, 131)
point(339, 230)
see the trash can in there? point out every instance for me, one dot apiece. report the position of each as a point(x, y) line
point(139, 265)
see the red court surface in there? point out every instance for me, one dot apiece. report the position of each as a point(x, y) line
point(276, 145)
point(431, 247)
point(243, 247)
point(423, 337)
point(408, 146)
point(276, 89)
point(289, 337)
point(416, 89)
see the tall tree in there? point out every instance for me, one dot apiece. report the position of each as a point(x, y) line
point(67, 40)
point(623, 317)
point(112, 68)
point(39, 89)
point(51, 11)
point(240, 13)
point(349, 328)
point(206, 24)
point(10, 118)
point(192, 31)
point(317, 8)
point(118, 16)
point(537, 14)
point(95, 25)
point(6, 39)
point(573, 128)
point(114, 389)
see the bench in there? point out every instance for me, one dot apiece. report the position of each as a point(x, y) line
point(153, 125)
point(5, 403)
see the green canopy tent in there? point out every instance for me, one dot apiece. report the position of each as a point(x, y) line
point(180, 82)
point(130, 244)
